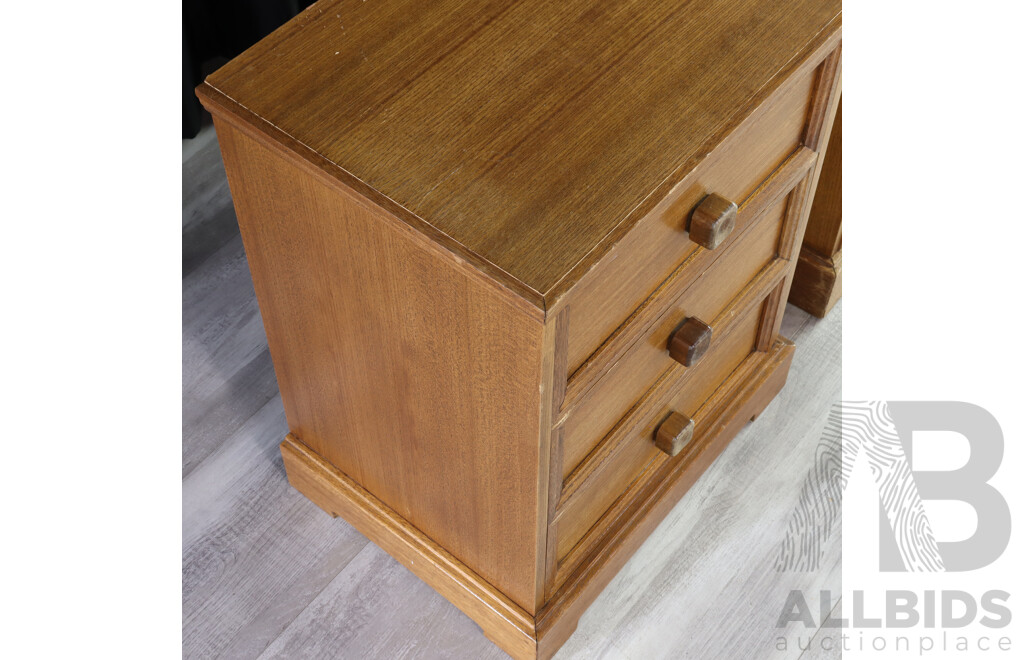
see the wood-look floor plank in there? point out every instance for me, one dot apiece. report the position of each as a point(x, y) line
point(376, 608)
point(208, 217)
point(227, 374)
point(826, 643)
point(255, 551)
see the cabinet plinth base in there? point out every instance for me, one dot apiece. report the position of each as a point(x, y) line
point(817, 282)
point(523, 635)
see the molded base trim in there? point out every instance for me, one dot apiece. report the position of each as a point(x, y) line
point(744, 395)
point(504, 622)
point(817, 282)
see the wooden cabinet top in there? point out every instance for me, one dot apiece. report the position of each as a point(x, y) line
point(526, 137)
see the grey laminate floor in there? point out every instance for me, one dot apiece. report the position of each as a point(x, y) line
point(266, 574)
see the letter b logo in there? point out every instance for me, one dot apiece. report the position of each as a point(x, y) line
point(967, 484)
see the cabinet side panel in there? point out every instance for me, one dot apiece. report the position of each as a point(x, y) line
point(411, 376)
point(825, 226)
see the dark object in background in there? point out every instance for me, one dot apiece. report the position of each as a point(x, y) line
point(222, 29)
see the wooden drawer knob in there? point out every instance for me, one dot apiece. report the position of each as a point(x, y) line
point(690, 342)
point(712, 221)
point(674, 433)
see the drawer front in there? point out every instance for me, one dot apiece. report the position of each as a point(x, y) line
point(659, 243)
point(623, 455)
point(625, 381)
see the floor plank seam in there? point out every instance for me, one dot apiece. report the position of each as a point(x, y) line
point(315, 598)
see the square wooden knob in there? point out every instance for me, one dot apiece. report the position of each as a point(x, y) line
point(690, 341)
point(674, 433)
point(712, 221)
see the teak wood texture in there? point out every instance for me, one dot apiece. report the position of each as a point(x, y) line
point(818, 282)
point(519, 135)
point(509, 328)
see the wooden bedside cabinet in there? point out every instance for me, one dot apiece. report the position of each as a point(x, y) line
point(522, 268)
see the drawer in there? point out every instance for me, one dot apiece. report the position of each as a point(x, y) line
point(627, 379)
point(632, 270)
point(623, 455)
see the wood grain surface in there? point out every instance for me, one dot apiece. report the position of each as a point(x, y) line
point(652, 496)
point(818, 281)
point(605, 300)
point(505, 623)
point(750, 270)
point(266, 574)
point(398, 367)
point(620, 458)
point(449, 266)
point(824, 233)
point(411, 105)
